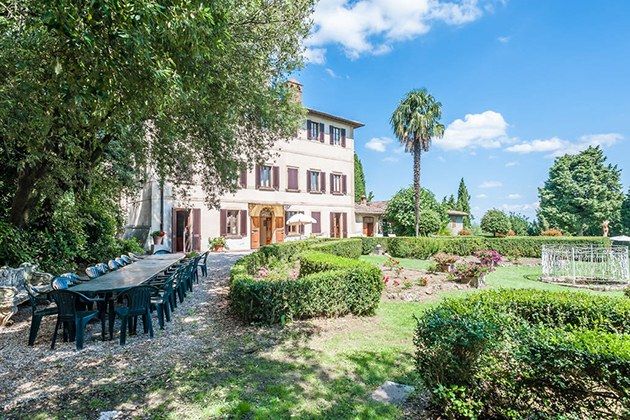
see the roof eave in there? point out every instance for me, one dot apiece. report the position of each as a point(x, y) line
point(352, 123)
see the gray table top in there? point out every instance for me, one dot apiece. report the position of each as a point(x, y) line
point(130, 275)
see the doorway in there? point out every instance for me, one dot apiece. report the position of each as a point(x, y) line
point(266, 227)
point(186, 230)
point(368, 226)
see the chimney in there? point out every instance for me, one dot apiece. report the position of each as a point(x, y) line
point(296, 87)
point(363, 200)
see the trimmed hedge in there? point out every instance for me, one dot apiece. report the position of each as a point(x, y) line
point(368, 243)
point(328, 285)
point(527, 354)
point(522, 246)
point(350, 248)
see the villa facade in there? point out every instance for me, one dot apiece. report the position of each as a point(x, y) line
point(312, 173)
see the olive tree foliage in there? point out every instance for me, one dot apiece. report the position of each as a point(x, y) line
point(94, 92)
point(582, 191)
point(495, 222)
point(400, 213)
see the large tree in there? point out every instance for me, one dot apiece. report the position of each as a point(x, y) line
point(581, 192)
point(625, 216)
point(416, 121)
point(359, 179)
point(400, 213)
point(194, 88)
point(463, 202)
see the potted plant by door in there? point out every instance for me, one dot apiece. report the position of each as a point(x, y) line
point(218, 244)
point(158, 237)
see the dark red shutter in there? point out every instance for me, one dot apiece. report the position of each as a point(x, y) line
point(276, 178)
point(257, 169)
point(243, 178)
point(317, 226)
point(344, 216)
point(322, 180)
point(196, 230)
point(343, 137)
point(332, 183)
point(331, 131)
point(223, 223)
point(321, 132)
point(243, 222)
point(309, 123)
point(344, 185)
point(308, 181)
point(332, 225)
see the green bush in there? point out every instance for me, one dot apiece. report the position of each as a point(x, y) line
point(350, 248)
point(368, 244)
point(495, 222)
point(527, 353)
point(328, 285)
point(522, 246)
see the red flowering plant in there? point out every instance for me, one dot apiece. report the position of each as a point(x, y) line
point(489, 258)
point(468, 271)
point(394, 265)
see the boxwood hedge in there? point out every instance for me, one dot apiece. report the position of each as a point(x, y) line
point(327, 285)
point(527, 354)
point(522, 246)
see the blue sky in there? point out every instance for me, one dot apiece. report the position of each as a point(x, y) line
point(520, 82)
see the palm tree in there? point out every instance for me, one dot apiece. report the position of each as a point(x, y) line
point(415, 122)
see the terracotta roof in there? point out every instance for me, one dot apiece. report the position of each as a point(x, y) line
point(457, 213)
point(374, 207)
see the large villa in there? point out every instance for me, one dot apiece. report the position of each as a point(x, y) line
point(312, 173)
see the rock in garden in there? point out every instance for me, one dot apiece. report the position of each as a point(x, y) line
point(392, 393)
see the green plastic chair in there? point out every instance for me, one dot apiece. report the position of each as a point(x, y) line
point(75, 320)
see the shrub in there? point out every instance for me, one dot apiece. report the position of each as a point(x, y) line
point(495, 222)
point(368, 244)
point(527, 353)
point(464, 232)
point(350, 248)
point(328, 285)
point(551, 232)
point(444, 261)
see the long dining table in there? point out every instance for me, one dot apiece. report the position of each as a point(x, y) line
point(134, 274)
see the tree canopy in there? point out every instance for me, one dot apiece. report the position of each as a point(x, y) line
point(582, 191)
point(401, 210)
point(463, 202)
point(359, 179)
point(625, 215)
point(495, 222)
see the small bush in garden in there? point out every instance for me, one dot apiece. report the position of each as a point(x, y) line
point(495, 222)
point(394, 265)
point(551, 232)
point(444, 261)
point(349, 248)
point(470, 272)
point(407, 284)
point(488, 257)
point(465, 232)
point(423, 281)
point(627, 292)
point(527, 354)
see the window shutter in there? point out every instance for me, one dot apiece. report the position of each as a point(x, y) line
point(344, 184)
point(343, 137)
point(308, 181)
point(321, 132)
point(332, 225)
point(276, 178)
point(308, 129)
point(322, 180)
point(196, 230)
point(330, 131)
point(332, 183)
point(243, 226)
point(243, 178)
point(223, 223)
point(344, 216)
point(317, 226)
point(257, 169)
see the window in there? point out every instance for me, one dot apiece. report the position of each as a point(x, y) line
point(265, 176)
point(292, 179)
point(335, 135)
point(336, 184)
point(232, 222)
point(316, 227)
point(293, 230)
point(314, 181)
point(314, 130)
point(242, 179)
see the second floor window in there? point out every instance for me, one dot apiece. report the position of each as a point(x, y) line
point(335, 135)
point(265, 176)
point(314, 182)
point(314, 130)
point(336, 183)
point(292, 179)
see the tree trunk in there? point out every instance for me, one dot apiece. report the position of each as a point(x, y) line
point(417, 149)
point(25, 196)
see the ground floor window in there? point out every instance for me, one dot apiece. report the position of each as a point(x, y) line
point(233, 223)
point(338, 225)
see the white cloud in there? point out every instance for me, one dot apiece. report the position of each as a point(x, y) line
point(510, 164)
point(315, 55)
point(441, 159)
point(332, 73)
point(514, 196)
point(390, 159)
point(490, 184)
point(503, 39)
point(371, 26)
point(520, 207)
point(556, 146)
point(482, 196)
point(487, 130)
point(378, 144)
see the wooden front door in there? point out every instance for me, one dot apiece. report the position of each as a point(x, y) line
point(368, 226)
point(255, 233)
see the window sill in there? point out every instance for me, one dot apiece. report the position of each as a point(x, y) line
point(337, 193)
point(234, 236)
point(294, 235)
point(292, 191)
point(316, 192)
point(266, 189)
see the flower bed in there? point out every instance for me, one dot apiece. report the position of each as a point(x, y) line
point(327, 284)
point(527, 353)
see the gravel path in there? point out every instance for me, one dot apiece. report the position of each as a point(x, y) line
point(38, 378)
